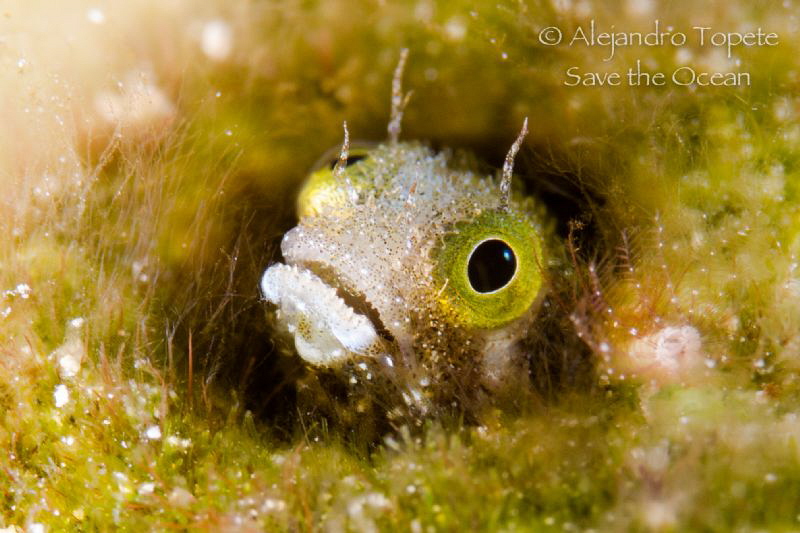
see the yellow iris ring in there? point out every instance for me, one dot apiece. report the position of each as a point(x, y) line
point(470, 308)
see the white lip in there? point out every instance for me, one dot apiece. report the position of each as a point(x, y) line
point(326, 330)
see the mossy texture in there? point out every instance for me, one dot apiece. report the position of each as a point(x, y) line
point(146, 188)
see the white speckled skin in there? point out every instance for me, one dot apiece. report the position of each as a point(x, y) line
point(379, 245)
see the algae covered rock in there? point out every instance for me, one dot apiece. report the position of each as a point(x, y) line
point(143, 383)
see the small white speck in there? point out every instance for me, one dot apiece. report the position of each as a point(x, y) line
point(146, 488)
point(272, 504)
point(178, 442)
point(455, 29)
point(69, 364)
point(95, 16)
point(217, 40)
point(23, 289)
point(61, 395)
point(180, 497)
point(153, 433)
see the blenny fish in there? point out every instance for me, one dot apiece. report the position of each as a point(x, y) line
point(408, 268)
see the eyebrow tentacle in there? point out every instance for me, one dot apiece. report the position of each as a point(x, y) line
point(399, 100)
point(508, 167)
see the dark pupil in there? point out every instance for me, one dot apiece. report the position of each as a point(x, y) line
point(491, 266)
point(352, 160)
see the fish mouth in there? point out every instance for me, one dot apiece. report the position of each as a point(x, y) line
point(353, 298)
point(324, 327)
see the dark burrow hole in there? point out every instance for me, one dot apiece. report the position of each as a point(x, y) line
point(236, 351)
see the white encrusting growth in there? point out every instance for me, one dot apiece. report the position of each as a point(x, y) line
point(325, 329)
point(72, 352)
point(671, 354)
point(153, 433)
point(23, 290)
point(61, 396)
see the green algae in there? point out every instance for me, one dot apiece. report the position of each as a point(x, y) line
point(183, 413)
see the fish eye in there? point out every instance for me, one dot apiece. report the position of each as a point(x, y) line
point(488, 269)
point(491, 266)
point(359, 150)
point(322, 189)
point(352, 160)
